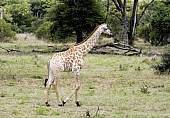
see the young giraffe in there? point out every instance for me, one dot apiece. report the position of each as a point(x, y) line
point(71, 60)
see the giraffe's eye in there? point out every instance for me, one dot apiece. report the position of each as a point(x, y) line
point(105, 28)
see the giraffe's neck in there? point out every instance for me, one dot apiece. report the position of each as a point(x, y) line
point(91, 41)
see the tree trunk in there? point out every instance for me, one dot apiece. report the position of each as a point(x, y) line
point(128, 28)
point(79, 36)
point(133, 23)
point(1, 14)
point(124, 26)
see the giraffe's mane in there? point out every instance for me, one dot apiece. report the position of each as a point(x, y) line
point(88, 36)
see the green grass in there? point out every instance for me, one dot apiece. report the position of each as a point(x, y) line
point(120, 86)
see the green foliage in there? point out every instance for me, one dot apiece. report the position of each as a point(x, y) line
point(16, 112)
point(55, 113)
point(39, 7)
point(115, 19)
point(44, 31)
point(36, 24)
point(71, 18)
point(22, 15)
point(164, 67)
point(5, 31)
point(3, 94)
point(11, 83)
point(155, 25)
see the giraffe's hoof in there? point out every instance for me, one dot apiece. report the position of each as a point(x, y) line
point(46, 103)
point(62, 104)
point(78, 104)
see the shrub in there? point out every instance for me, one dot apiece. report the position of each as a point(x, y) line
point(43, 32)
point(155, 24)
point(6, 34)
point(164, 66)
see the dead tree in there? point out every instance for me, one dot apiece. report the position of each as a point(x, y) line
point(1, 14)
point(128, 32)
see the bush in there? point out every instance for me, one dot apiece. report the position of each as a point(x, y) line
point(155, 24)
point(164, 67)
point(43, 32)
point(6, 34)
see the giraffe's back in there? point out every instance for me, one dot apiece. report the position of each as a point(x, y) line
point(67, 61)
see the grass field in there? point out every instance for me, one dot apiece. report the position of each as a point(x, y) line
point(113, 86)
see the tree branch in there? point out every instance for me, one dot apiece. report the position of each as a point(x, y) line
point(120, 3)
point(107, 10)
point(118, 18)
point(143, 12)
point(9, 50)
point(117, 6)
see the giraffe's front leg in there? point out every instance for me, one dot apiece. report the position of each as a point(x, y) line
point(77, 86)
point(74, 92)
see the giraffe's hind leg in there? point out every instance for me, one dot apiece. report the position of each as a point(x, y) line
point(47, 84)
point(47, 95)
point(55, 85)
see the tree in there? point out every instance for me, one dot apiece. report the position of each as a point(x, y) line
point(164, 66)
point(22, 15)
point(5, 31)
point(44, 31)
point(129, 23)
point(75, 17)
point(39, 7)
point(155, 25)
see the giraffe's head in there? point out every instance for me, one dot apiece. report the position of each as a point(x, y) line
point(105, 29)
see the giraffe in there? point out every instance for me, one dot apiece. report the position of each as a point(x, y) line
point(71, 60)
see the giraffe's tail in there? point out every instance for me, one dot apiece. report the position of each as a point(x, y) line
point(45, 83)
point(48, 67)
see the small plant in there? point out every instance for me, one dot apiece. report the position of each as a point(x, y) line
point(42, 111)
point(91, 90)
point(2, 94)
point(37, 76)
point(21, 102)
point(16, 112)
point(123, 67)
point(168, 90)
point(55, 113)
point(144, 89)
point(3, 61)
point(11, 83)
point(164, 66)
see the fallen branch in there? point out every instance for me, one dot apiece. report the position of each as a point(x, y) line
point(96, 112)
point(100, 49)
point(117, 46)
point(39, 51)
point(9, 50)
point(60, 50)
